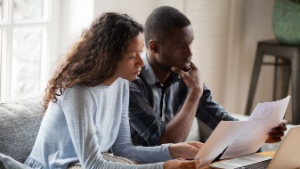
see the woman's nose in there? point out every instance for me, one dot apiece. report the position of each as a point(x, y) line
point(140, 61)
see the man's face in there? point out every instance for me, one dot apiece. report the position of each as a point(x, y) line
point(175, 49)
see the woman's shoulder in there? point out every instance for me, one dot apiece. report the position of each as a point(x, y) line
point(78, 92)
point(120, 85)
point(124, 82)
point(77, 89)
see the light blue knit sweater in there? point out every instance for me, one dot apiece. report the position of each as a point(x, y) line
point(86, 121)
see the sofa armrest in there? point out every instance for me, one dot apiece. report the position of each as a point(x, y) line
point(19, 124)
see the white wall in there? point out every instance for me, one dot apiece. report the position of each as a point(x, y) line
point(139, 10)
point(75, 15)
point(252, 22)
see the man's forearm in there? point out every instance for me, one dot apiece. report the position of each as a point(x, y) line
point(178, 128)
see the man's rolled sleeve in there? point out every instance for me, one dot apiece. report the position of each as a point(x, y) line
point(211, 112)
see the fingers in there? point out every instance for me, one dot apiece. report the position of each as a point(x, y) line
point(194, 148)
point(275, 135)
point(186, 150)
point(192, 152)
point(280, 128)
point(182, 72)
point(178, 71)
point(283, 123)
point(179, 164)
point(191, 78)
point(198, 162)
point(187, 164)
point(271, 140)
point(196, 144)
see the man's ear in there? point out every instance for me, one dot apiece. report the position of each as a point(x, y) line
point(153, 46)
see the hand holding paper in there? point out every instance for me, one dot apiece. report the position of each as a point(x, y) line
point(243, 137)
point(255, 132)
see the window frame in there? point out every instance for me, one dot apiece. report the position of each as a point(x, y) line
point(49, 25)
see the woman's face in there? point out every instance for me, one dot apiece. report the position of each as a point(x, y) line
point(130, 66)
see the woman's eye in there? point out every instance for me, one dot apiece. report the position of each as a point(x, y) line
point(131, 57)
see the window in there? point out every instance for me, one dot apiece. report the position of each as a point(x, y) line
point(25, 46)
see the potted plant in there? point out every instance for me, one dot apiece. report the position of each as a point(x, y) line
point(286, 21)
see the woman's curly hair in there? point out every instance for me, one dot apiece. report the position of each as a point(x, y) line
point(95, 56)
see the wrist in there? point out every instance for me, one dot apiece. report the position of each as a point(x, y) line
point(196, 92)
point(171, 151)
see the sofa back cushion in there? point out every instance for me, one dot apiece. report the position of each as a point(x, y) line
point(19, 124)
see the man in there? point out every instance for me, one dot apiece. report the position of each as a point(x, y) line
point(170, 91)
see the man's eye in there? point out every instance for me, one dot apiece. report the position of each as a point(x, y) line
point(181, 46)
point(184, 45)
point(132, 57)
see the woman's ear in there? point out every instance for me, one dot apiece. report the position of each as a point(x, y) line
point(153, 46)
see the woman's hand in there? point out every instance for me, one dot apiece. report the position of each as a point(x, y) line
point(181, 164)
point(185, 150)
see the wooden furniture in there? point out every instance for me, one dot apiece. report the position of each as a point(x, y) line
point(287, 57)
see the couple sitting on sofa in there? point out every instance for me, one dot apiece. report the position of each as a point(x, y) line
point(88, 99)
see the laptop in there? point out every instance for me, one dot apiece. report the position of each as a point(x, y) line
point(287, 156)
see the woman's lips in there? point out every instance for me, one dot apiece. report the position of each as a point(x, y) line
point(137, 72)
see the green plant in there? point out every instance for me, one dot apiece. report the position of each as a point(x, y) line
point(286, 21)
point(296, 1)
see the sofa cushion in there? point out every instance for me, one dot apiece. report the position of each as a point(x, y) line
point(19, 124)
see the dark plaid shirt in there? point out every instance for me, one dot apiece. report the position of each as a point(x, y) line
point(152, 105)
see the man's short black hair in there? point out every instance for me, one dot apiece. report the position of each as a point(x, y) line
point(161, 21)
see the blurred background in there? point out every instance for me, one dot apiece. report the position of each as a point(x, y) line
point(36, 33)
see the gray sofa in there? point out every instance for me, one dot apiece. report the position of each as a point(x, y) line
point(19, 124)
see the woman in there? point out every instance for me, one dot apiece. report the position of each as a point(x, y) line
point(86, 104)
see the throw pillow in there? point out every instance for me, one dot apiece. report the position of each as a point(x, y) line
point(19, 124)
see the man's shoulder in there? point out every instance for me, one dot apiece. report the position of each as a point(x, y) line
point(138, 83)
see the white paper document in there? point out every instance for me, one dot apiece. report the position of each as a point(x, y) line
point(219, 140)
point(254, 133)
point(243, 137)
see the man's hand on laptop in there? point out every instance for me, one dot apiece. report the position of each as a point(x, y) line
point(277, 132)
